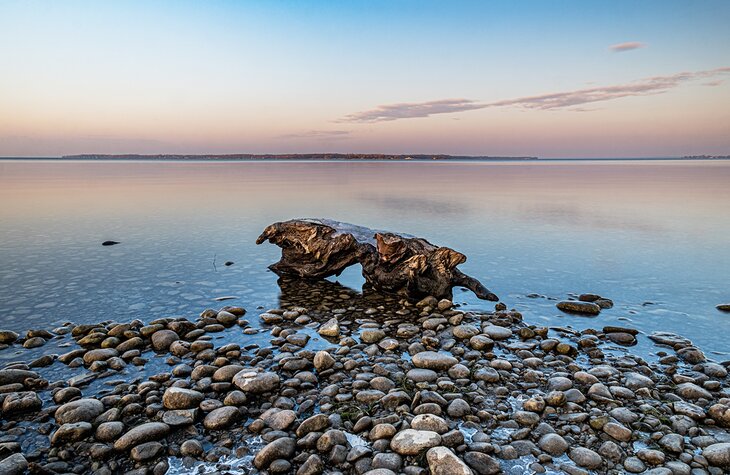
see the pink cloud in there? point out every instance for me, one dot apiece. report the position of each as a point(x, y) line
point(628, 46)
point(553, 101)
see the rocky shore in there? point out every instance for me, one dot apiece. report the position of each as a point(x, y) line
point(337, 382)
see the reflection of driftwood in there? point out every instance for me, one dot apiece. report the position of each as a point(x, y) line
point(392, 263)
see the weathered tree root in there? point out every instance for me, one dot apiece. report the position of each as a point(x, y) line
point(391, 263)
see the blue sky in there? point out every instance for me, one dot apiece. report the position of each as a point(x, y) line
point(226, 77)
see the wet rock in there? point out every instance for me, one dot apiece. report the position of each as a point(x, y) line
point(256, 383)
point(282, 448)
point(279, 419)
point(420, 375)
point(497, 333)
point(323, 361)
point(634, 465)
point(692, 391)
point(181, 398)
point(140, 434)
point(110, 243)
point(7, 337)
point(13, 376)
point(371, 335)
point(553, 444)
point(101, 354)
point(330, 328)
point(636, 381)
point(413, 442)
point(481, 343)
point(162, 339)
point(718, 455)
point(586, 458)
point(720, 413)
point(226, 373)
point(723, 307)
point(18, 403)
point(482, 463)
point(34, 342)
point(221, 418)
point(109, 431)
point(191, 448)
point(691, 355)
point(651, 456)
point(382, 431)
point(180, 417)
point(458, 408)
point(672, 443)
point(433, 360)
point(15, 464)
point(442, 461)
point(465, 331)
point(617, 431)
point(72, 432)
point(146, 451)
point(81, 410)
point(65, 395)
point(621, 338)
point(313, 424)
point(572, 306)
point(429, 422)
point(312, 466)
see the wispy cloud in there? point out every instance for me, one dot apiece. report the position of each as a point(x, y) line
point(319, 134)
point(414, 109)
point(559, 100)
point(628, 46)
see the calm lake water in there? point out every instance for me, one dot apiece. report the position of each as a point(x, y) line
point(654, 236)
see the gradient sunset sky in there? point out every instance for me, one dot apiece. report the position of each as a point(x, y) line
point(544, 78)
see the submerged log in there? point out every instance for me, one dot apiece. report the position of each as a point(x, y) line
point(391, 263)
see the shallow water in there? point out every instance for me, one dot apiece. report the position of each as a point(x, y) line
point(652, 235)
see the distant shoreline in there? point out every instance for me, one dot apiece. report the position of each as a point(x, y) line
point(348, 158)
point(291, 156)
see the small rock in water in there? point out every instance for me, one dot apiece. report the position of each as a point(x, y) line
point(572, 306)
point(109, 243)
point(724, 307)
point(330, 328)
point(228, 263)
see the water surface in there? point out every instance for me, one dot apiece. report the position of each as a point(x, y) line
point(652, 235)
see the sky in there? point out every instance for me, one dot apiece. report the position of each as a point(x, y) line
point(502, 78)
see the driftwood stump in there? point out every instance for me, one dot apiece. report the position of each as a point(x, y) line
point(391, 263)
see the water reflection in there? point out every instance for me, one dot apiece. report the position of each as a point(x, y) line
point(632, 231)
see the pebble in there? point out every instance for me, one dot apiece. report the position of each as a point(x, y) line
point(572, 306)
point(414, 442)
